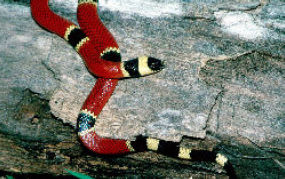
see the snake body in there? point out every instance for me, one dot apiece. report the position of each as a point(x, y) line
point(102, 57)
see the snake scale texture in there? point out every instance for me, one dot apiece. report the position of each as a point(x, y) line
point(102, 57)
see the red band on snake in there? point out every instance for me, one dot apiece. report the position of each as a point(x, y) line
point(102, 56)
point(92, 52)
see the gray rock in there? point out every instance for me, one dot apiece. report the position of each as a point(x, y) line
point(251, 85)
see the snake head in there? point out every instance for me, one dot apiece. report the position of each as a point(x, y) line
point(155, 64)
point(141, 66)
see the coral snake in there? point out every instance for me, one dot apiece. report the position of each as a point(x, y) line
point(101, 54)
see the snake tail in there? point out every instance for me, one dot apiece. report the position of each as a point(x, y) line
point(102, 57)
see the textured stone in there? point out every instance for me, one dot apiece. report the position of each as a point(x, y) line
point(252, 97)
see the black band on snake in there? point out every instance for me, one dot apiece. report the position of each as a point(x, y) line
point(102, 57)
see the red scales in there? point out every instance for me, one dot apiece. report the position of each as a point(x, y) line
point(101, 55)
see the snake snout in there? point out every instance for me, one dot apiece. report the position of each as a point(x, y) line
point(155, 64)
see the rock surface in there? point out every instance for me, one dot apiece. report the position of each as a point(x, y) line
point(224, 85)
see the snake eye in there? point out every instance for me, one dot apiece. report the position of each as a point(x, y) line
point(155, 64)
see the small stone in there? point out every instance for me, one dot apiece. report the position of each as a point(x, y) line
point(29, 115)
point(35, 120)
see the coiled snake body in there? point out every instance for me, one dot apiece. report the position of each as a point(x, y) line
point(101, 55)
